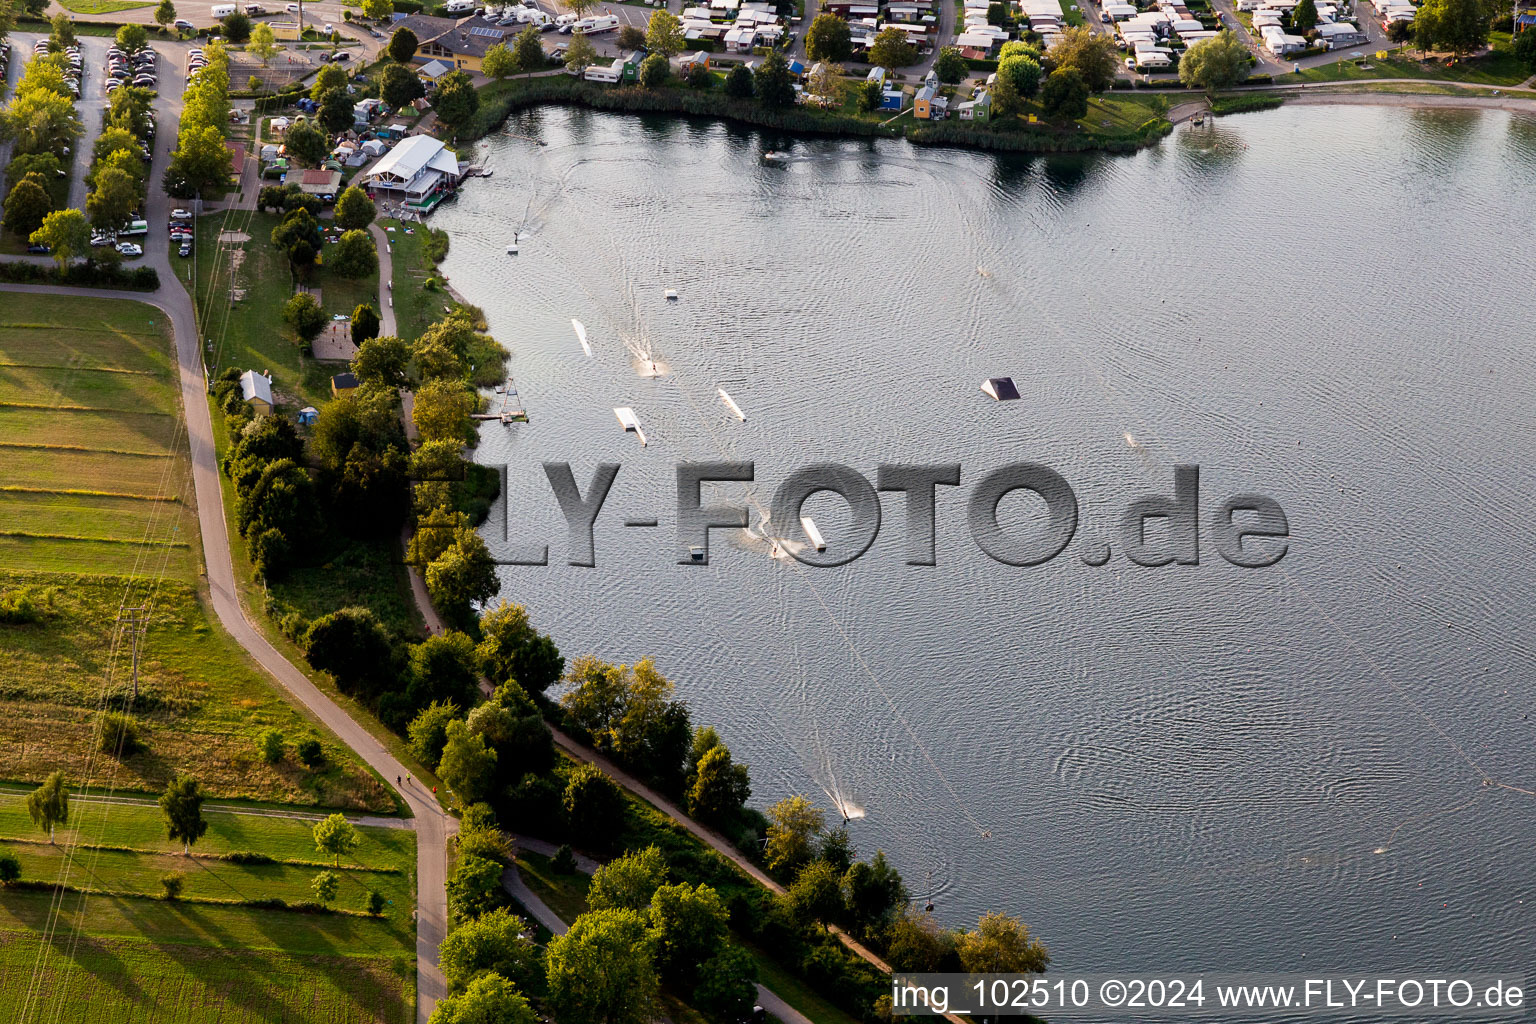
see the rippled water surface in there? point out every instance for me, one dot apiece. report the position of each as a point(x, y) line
point(1192, 766)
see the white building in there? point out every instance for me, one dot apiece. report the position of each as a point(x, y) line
point(418, 167)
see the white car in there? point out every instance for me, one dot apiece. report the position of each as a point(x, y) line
point(179, 214)
point(129, 249)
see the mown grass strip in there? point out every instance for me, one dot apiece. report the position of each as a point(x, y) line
point(81, 408)
point(23, 535)
point(80, 493)
point(85, 448)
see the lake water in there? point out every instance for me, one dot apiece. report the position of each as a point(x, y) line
point(1182, 767)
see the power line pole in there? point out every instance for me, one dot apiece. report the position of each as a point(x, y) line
point(136, 623)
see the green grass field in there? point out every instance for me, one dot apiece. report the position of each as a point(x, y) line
point(137, 957)
point(1498, 67)
point(103, 6)
point(416, 307)
point(93, 469)
point(201, 700)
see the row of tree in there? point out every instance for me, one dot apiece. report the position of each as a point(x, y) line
point(41, 123)
point(200, 159)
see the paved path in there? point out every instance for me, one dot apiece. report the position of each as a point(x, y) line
point(386, 279)
point(512, 881)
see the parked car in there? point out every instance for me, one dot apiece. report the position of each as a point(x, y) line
point(129, 249)
point(179, 214)
point(39, 250)
point(293, 8)
point(183, 25)
point(341, 55)
point(185, 250)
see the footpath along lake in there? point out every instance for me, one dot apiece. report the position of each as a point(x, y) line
point(1185, 767)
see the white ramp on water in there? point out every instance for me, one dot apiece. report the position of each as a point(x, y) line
point(581, 336)
point(730, 403)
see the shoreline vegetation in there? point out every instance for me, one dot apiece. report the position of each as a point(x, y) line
point(500, 100)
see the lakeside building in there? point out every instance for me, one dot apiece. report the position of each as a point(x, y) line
point(457, 43)
point(417, 171)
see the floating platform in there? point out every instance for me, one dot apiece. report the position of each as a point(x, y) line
point(1001, 388)
point(511, 410)
point(671, 294)
point(630, 422)
point(817, 540)
point(730, 403)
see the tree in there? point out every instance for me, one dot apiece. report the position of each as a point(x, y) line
point(581, 53)
point(631, 38)
point(492, 942)
point(688, 923)
point(132, 38)
point(870, 96)
point(310, 752)
point(727, 987)
point(999, 14)
point(581, 7)
point(1304, 16)
point(628, 882)
point(40, 119)
point(475, 886)
point(66, 233)
point(892, 49)
point(489, 999)
point(511, 650)
point(1455, 26)
point(237, 27)
point(329, 77)
point(915, 942)
point(119, 735)
point(113, 199)
point(463, 575)
point(171, 883)
point(1020, 48)
point(601, 970)
point(654, 70)
point(720, 788)
point(794, 824)
point(353, 646)
point(816, 894)
point(199, 161)
point(738, 83)
point(428, 732)
point(772, 81)
point(1065, 94)
point(336, 836)
point(467, 765)
point(306, 144)
point(593, 804)
point(631, 713)
point(378, 10)
point(1401, 32)
point(63, 30)
point(165, 14)
point(1217, 63)
point(27, 205)
point(950, 66)
point(1094, 56)
point(48, 804)
point(381, 361)
point(354, 256)
point(664, 34)
point(182, 806)
point(1524, 48)
point(442, 410)
point(825, 82)
point(299, 237)
point(270, 745)
point(455, 100)
point(828, 38)
point(335, 112)
point(10, 868)
point(374, 902)
point(326, 885)
point(442, 667)
point(397, 86)
point(402, 46)
point(873, 892)
point(528, 50)
point(1001, 945)
point(304, 316)
point(263, 43)
point(365, 323)
point(498, 62)
point(1023, 74)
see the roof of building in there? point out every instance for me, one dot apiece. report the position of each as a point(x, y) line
point(343, 381)
point(435, 69)
point(469, 37)
point(255, 386)
point(413, 156)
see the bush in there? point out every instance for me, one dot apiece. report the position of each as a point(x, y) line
point(26, 605)
point(564, 860)
point(310, 752)
point(90, 273)
point(374, 902)
point(593, 807)
point(270, 744)
point(10, 868)
point(171, 883)
point(119, 735)
point(248, 857)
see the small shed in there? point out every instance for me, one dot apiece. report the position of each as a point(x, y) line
point(433, 70)
point(342, 383)
point(256, 390)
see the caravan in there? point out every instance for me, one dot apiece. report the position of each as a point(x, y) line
point(222, 10)
point(598, 23)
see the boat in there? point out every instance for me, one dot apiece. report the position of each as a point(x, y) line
point(775, 155)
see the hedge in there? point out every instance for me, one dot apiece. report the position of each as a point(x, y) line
point(88, 274)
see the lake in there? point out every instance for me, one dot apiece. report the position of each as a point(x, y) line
point(1191, 766)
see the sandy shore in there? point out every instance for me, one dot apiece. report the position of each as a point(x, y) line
point(1337, 95)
